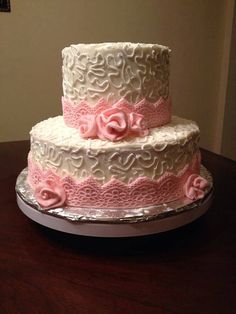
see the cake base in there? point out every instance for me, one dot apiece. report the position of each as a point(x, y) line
point(115, 230)
point(112, 222)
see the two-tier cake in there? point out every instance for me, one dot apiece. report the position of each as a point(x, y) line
point(116, 144)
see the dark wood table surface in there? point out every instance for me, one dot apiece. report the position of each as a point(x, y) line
point(188, 270)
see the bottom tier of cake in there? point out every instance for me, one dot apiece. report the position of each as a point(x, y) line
point(66, 170)
point(113, 222)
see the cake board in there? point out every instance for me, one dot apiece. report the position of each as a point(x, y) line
point(129, 223)
point(112, 229)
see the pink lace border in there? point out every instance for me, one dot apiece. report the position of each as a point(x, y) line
point(142, 192)
point(155, 114)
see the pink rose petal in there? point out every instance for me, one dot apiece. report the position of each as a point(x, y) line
point(195, 187)
point(112, 124)
point(88, 126)
point(50, 194)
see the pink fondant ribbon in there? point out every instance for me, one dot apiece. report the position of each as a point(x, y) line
point(114, 122)
point(143, 191)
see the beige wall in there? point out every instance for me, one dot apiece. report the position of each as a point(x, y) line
point(228, 148)
point(33, 34)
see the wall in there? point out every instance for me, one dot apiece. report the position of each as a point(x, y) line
point(229, 130)
point(34, 33)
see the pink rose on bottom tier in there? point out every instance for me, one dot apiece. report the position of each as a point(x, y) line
point(50, 194)
point(195, 187)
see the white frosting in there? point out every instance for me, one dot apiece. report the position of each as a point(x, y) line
point(167, 148)
point(115, 70)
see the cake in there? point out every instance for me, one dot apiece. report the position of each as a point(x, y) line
point(117, 144)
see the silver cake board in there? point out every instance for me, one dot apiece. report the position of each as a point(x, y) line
point(110, 229)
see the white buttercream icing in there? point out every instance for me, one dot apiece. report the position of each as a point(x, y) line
point(115, 70)
point(167, 148)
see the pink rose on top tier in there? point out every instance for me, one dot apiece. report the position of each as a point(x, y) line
point(195, 187)
point(50, 194)
point(113, 124)
point(88, 126)
point(137, 124)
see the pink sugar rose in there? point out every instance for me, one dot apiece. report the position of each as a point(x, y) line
point(195, 186)
point(112, 124)
point(137, 124)
point(87, 126)
point(50, 194)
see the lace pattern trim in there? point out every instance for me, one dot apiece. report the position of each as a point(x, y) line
point(155, 114)
point(143, 191)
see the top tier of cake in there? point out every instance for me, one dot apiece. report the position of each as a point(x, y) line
point(114, 71)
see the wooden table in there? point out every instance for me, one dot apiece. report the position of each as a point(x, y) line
point(189, 270)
